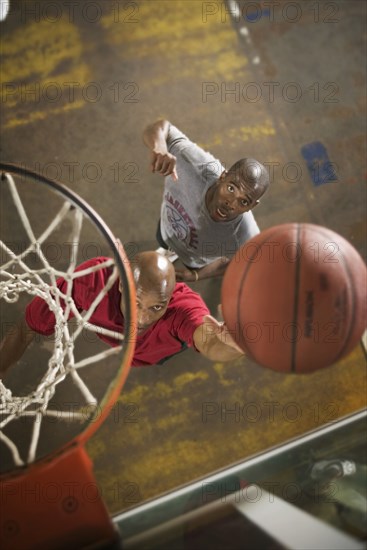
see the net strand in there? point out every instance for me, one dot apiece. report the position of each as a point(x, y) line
point(13, 449)
point(55, 222)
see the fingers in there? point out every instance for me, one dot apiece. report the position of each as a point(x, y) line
point(212, 321)
point(174, 174)
point(229, 340)
point(220, 312)
point(222, 333)
point(164, 164)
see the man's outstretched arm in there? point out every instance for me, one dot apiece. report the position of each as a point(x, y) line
point(155, 138)
point(14, 345)
point(213, 340)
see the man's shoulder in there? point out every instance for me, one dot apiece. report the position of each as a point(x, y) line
point(185, 312)
point(184, 299)
point(182, 290)
point(248, 225)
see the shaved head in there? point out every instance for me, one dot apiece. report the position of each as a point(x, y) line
point(154, 273)
point(252, 172)
point(155, 280)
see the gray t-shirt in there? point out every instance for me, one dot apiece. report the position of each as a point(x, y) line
point(186, 225)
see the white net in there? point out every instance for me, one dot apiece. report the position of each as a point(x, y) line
point(17, 277)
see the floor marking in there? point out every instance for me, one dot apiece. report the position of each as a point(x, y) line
point(320, 168)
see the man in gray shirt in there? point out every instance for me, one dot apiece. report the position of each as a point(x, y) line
point(206, 210)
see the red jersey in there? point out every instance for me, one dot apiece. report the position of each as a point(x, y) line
point(170, 334)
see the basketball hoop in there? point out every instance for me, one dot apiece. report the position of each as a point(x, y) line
point(72, 519)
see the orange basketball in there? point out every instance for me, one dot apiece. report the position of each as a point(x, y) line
point(294, 297)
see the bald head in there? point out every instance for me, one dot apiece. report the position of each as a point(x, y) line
point(155, 280)
point(154, 273)
point(253, 173)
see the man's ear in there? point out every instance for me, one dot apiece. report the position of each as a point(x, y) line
point(223, 174)
point(255, 204)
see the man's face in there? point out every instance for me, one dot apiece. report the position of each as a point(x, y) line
point(151, 306)
point(230, 197)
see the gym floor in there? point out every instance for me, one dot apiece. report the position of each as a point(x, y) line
point(283, 82)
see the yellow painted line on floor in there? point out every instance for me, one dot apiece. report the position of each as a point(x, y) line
point(137, 394)
point(164, 458)
point(59, 88)
point(232, 136)
point(41, 63)
point(42, 115)
point(189, 377)
point(37, 48)
point(220, 369)
point(173, 420)
point(173, 35)
point(245, 133)
point(96, 448)
point(144, 397)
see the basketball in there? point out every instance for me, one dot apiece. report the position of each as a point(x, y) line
point(294, 297)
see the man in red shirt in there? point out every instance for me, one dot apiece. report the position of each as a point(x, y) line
point(170, 316)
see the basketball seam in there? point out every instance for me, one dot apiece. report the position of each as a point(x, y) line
point(296, 298)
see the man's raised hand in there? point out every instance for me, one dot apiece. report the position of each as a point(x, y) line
point(164, 163)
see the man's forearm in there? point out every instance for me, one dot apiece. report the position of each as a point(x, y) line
point(14, 345)
point(155, 136)
point(213, 340)
point(216, 350)
point(214, 269)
